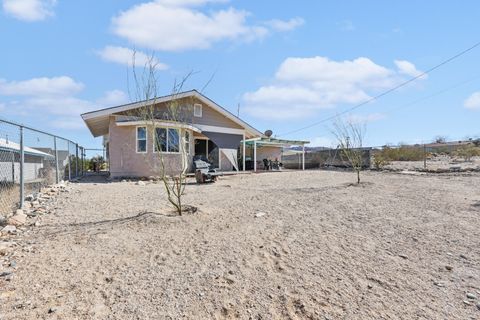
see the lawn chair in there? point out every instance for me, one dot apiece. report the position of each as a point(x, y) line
point(204, 171)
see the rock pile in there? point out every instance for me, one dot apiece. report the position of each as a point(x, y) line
point(34, 205)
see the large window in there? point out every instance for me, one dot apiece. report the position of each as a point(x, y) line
point(167, 140)
point(141, 139)
point(160, 139)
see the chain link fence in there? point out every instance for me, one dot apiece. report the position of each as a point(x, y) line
point(31, 159)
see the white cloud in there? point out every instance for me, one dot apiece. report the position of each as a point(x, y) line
point(408, 68)
point(168, 25)
point(303, 86)
point(29, 10)
point(281, 25)
point(113, 98)
point(473, 102)
point(124, 56)
point(56, 86)
point(54, 98)
point(364, 119)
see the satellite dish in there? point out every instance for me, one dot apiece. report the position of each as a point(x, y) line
point(268, 133)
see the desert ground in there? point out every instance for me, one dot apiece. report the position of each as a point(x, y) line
point(286, 245)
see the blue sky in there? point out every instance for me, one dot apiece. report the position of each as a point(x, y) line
point(288, 64)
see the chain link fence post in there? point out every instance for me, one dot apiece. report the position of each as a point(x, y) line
point(57, 173)
point(76, 160)
point(22, 168)
point(69, 162)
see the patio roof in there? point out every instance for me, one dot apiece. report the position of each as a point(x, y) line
point(275, 141)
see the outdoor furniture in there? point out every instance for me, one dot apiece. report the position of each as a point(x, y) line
point(204, 171)
point(266, 164)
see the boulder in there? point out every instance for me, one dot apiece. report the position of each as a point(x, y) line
point(18, 219)
point(9, 229)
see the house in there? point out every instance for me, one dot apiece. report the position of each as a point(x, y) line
point(36, 163)
point(204, 129)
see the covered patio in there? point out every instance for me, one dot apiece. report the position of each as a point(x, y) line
point(274, 148)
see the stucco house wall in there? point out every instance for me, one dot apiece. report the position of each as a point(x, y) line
point(125, 161)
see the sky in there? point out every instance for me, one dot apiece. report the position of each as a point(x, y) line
point(283, 65)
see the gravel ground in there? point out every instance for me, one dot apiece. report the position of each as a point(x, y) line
point(436, 163)
point(290, 245)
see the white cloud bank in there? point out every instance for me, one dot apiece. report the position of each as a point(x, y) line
point(168, 25)
point(29, 10)
point(55, 98)
point(124, 56)
point(473, 102)
point(303, 86)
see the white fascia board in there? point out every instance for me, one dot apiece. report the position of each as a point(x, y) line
point(220, 129)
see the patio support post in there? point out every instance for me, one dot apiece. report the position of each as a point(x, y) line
point(303, 157)
point(254, 156)
point(243, 152)
point(22, 168)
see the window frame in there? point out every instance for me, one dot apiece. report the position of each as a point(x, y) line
point(167, 140)
point(137, 140)
point(200, 107)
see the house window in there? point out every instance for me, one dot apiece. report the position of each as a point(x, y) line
point(160, 139)
point(187, 141)
point(173, 141)
point(167, 140)
point(197, 110)
point(141, 139)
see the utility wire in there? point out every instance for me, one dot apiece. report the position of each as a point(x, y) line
point(403, 84)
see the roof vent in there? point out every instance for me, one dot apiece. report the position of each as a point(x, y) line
point(268, 133)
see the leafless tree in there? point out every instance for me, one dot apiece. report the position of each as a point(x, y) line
point(350, 135)
point(170, 168)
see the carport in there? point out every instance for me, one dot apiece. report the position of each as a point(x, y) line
point(256, 143)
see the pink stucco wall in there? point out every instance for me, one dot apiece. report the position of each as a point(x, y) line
point(126, 162)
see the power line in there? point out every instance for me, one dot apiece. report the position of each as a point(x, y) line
point(456, 85)
point(386, 92)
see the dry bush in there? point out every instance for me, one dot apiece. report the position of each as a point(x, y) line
point(468, 152)
point(402, 153)
point(379, 161)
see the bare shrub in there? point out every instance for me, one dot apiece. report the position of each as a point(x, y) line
point(170, 168)
point(350, 136)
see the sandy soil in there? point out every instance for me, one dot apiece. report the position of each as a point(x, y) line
point(436, 163)
point(396, 247)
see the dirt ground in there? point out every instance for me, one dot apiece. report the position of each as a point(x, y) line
point(440, 162)
point(396, 247)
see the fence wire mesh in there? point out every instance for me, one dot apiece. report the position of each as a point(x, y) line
point(30, 160)
point(9, 167)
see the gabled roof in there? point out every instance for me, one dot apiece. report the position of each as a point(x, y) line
point(98, 121)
